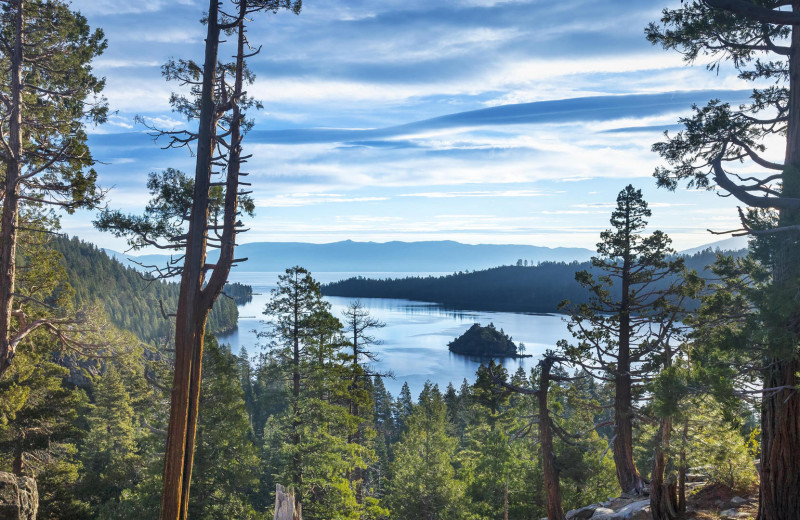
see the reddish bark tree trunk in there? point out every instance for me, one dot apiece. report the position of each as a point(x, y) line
point(627, 475)
point(683, 469)
point(552, 487)
point(10, 217)
point(663, 500)
point(779, 491)
point(192, 307)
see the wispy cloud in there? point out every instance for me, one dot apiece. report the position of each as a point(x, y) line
point(307, 199)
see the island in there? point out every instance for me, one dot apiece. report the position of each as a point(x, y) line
point(486, 342)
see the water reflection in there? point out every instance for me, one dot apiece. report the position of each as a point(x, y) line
point(416, 335)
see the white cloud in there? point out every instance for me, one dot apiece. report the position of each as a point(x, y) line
point(308, 199)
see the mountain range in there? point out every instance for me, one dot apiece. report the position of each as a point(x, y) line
point(432, 256)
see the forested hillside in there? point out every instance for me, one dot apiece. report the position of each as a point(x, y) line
point(131, 301)
point(513, 288)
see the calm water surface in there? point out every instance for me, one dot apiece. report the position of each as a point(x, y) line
point(414, 341)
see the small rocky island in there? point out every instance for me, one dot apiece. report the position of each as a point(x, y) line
point(486, 342)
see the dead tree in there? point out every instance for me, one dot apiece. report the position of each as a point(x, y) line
point(358, 324)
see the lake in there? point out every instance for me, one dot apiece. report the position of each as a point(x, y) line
point(415, 338)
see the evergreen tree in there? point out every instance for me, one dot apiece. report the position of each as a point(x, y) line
point(313, 437)
point(359, 325)
point(403, 407)
point(49, 95)
point(423, 485)
point(761, 41)
point(111, 459)
point(614, 331)
point(225, 479)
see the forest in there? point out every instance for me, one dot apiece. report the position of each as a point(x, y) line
point(536, 288)
point(675, 395)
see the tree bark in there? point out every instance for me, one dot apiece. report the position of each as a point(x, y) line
point(552, 486)
point(627, 475)
point(683, 469)
point(779, 492)
point(192, 307)
point(663, 499)
point(10, 217)
point(779, 498)
point(505, 501)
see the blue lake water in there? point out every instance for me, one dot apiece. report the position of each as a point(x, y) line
point(414, 341)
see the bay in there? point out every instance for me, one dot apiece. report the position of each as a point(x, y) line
point(414, 341)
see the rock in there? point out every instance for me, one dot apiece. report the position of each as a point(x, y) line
point(696, 477)
point(622, 501)
point(736, 501)
point(582, 513)
point(639, 510)
point(19, 497)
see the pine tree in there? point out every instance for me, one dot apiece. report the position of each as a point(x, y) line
point(423, 485)
point(226, 463)
point(761, 41)
point(359, 325)
point(614, 330)
point(112, 462)
point(313, 437)
point(49, 95)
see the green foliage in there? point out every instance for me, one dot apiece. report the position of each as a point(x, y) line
point(60, 97)
point(539, 288)
point(484, 341)
point(314, 444)
point(423, 484)
point(225, 474)
point(131, 301)
point(111, 458)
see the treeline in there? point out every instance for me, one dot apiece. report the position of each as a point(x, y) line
point(512, 288)
point(131, 301)
point(319, 419)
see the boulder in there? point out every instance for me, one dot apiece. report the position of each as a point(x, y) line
point(582, 513)
point(19, 497)
point(639, 510)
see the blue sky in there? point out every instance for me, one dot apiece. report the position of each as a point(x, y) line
point(482, 121)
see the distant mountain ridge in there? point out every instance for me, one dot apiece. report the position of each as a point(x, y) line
point(428, 256)
point(350, 256)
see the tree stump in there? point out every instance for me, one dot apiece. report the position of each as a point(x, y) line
point(285, 507)
point(19, 497)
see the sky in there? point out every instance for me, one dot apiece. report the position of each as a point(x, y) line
point(480, 121)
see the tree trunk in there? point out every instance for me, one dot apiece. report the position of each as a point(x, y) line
point(552, 486)
point(192, 307)
point(18, 466)
point(779, 498)
point(356, 475)
point(683, 469)
point(628, 476)
point(663, 500)
point(505, 501)
point(779, 494)
point(285, 506)
point(10, 217)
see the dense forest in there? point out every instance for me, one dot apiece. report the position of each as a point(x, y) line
point(132, 301)
point(536, 288)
